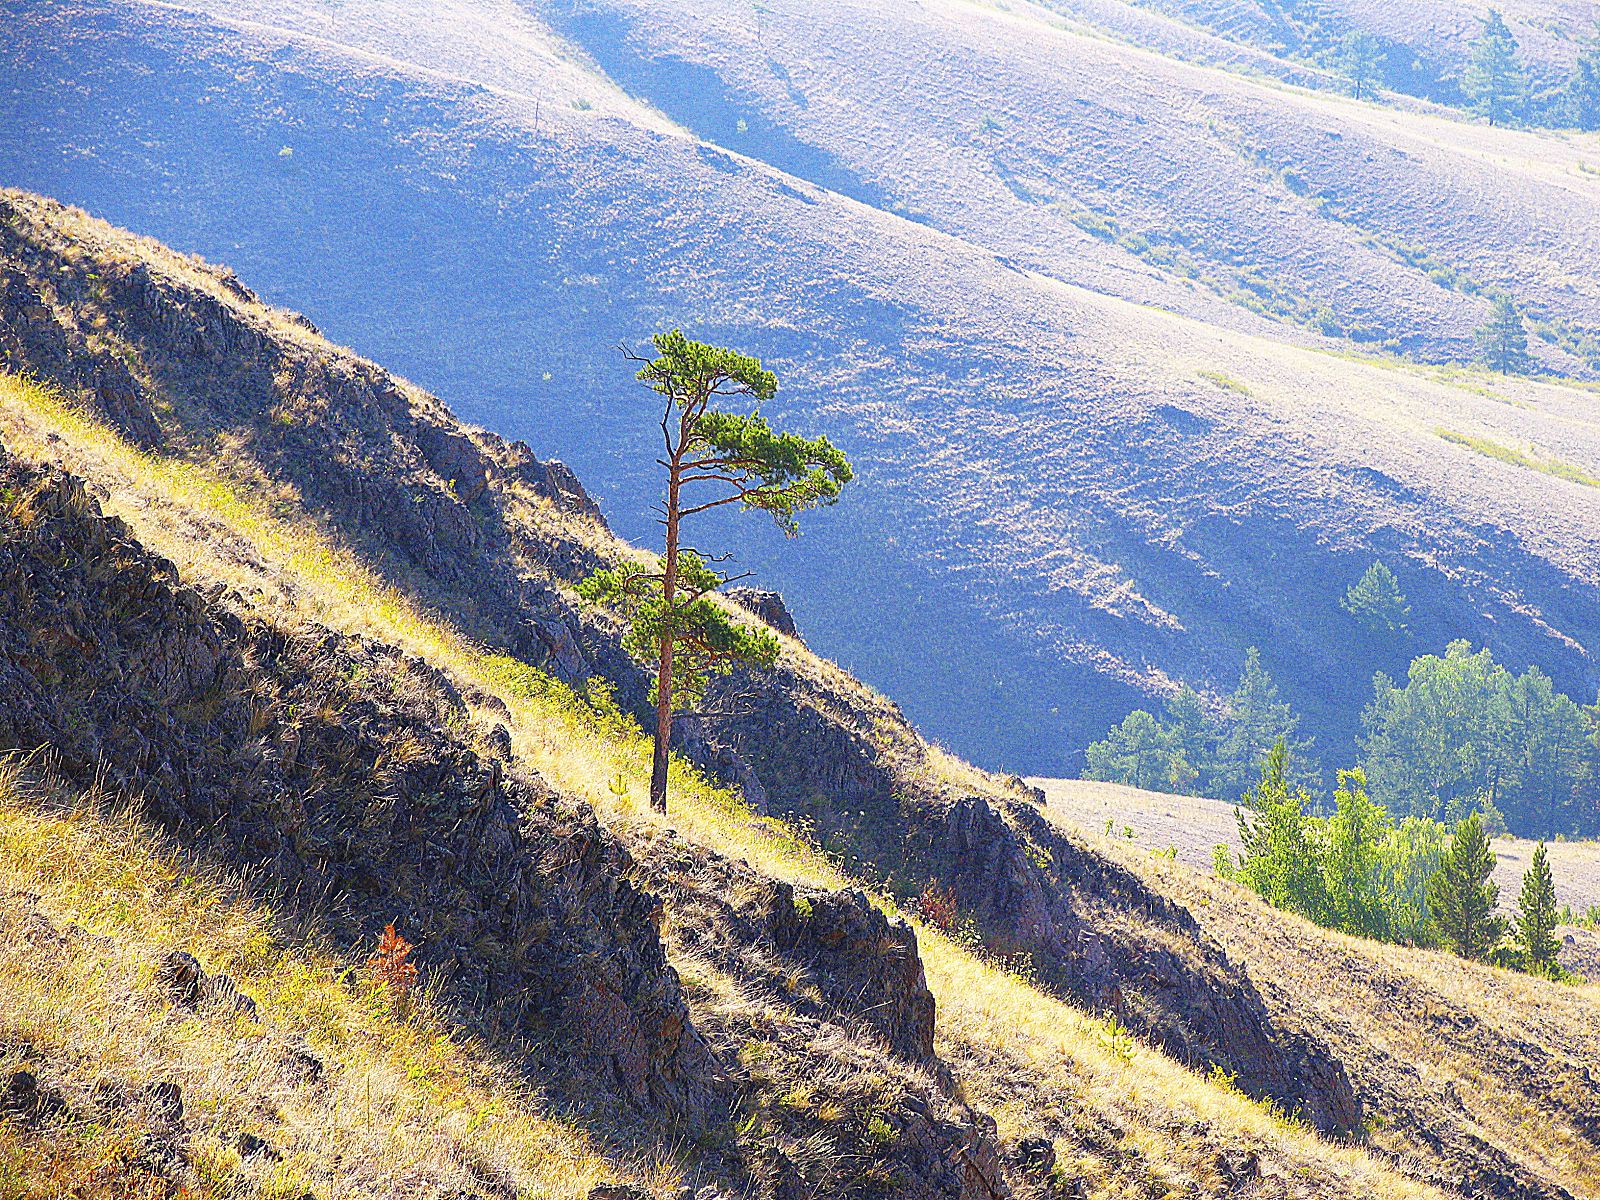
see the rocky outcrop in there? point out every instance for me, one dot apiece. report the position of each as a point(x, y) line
point(767, 605)
point(176, 353)
point(324, 766)
point(832, 1042)
point(1095, 931)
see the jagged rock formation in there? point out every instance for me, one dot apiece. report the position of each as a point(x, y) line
point(767, 605)
point(322, 765)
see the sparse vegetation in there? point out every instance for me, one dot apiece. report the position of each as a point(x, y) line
point(1520, 458)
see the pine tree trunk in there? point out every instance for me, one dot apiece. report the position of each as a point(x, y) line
point(669, 583)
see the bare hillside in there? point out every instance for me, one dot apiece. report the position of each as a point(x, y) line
point(1089, 472)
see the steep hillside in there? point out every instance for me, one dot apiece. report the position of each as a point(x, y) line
point(1099, 448)
point(1409, 1025)
point(291, 603)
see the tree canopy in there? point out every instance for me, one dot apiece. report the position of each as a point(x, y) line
point(1464, 734)
point(1495, 81)
point(1377, 602)
point(1503, 340)
point(1191, 749)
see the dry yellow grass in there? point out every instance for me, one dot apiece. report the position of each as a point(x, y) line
point(1029, 1050)
point(405, 1104)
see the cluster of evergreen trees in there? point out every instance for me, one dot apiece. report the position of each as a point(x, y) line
point(1193, 750)
point(1361, 872)
point(1460, 734)
point(1495, 83)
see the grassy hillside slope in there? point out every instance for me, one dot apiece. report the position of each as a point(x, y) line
point(1078, 461)
point(341, 642)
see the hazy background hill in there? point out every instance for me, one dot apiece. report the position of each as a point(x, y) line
point(1084, 312)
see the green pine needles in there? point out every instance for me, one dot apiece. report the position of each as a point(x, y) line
point(712, 458)
point(1462, 895)
point(1377, 602)
point(1537, 917)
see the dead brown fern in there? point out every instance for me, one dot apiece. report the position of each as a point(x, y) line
point(390, 965)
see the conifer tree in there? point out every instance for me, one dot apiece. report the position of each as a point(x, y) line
point(712, 458)
point(1257, 720)
point(1376, 600)
point(1461, 896)
point(1503, 339)
point(1494, 80)
point(1360, 57)
point(1536, 916)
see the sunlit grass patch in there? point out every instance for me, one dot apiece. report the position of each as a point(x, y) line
point(1520, 458)
point(403, 1102)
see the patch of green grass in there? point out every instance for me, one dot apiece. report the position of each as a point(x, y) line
point(1226, 382)
point(1510, 454)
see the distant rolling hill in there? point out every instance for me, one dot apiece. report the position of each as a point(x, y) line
point(1098, 324)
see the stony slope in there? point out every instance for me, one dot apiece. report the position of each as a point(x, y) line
point(369, 705)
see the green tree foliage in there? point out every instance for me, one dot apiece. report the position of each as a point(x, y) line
point(1536, 917)
point(1361, 61)
point(1191, 751)
point(1495, 81)
point(1353, 862)
point(712, 458)
point(1583, 89)
point(1257, 720)
point(1463, 734)
point(1377, 602)
point(1371, 875)
point(1138, 752)
point(1194, 735)
point(1408, 856)
point(1503, 340)
point(1462, 897)
point(1281, 858)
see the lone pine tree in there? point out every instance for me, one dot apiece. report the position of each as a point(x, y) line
point(1361, 59)
point(1376, 600)
point(712, 458)
point(1461, 896)
point(1503, 339)
point(1494, 80)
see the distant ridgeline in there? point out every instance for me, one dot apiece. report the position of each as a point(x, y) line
point(1495, 81)
point(1460, 735)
